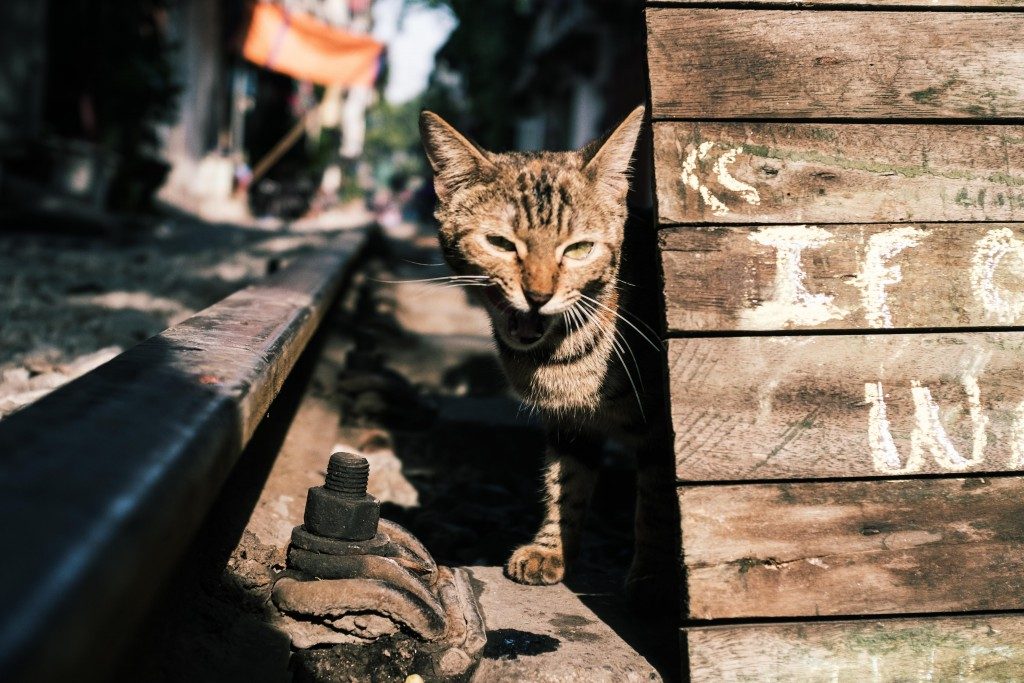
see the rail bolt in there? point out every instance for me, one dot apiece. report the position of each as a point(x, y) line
point(341, 508)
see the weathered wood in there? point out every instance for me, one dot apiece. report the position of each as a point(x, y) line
point(838, 173)
point(105, 479)
point(867, 4)
point(847, 548)
point(843, 277)
point(758, 64)
point(751, 408)
point(976, 648)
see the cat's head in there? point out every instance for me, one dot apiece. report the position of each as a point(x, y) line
point(546, 227)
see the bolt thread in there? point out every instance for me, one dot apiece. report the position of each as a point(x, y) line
point(347, 474)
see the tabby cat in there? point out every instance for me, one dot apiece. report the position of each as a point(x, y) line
point(540, 237)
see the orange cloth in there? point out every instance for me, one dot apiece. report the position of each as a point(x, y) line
point(304, 48)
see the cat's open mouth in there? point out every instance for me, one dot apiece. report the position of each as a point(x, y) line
point(526, 328)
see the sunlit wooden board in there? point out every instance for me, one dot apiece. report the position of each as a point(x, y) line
point(836, 173)
point(765, 407)
point(970, 648)
point(854, 547)
point(758, 64)
point(848, 277)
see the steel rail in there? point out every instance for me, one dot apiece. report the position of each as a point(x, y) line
point(104, 482)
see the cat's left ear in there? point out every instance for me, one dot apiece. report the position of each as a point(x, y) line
point(456, 161)
point(607, 160)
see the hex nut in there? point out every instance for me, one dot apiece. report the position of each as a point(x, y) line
point(335, 515)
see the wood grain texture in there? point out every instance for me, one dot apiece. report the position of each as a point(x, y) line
point(982, 648)
point(854, 548)
point(763, 64)
point(755, 408)
point(867, 4)
point(837, 173)
point(843, 277)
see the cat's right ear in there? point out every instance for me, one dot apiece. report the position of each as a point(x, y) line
point(456, 161)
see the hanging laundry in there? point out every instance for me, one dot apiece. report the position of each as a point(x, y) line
point(305, 48)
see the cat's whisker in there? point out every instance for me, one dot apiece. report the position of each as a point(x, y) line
point(461, 284)
point(625, 312)
point(577, 316)
point(623, 319)
point(616, 336)
point(629, 376)
point(636, 363)
point(623, 345)
point(444, 278)
point(419, 263)
point(639, 321)
point(433, 287)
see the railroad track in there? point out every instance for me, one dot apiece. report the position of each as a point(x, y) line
point(104, 482)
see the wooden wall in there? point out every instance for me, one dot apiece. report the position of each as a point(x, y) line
point(840, 207)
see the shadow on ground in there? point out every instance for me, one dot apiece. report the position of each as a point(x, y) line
point(474, 456)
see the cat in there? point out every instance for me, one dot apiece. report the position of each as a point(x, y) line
point(540, 238)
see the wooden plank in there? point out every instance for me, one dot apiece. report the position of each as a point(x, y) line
point(854, 548)
point(765, 64)
point(867, 4)
point(843, 277)
point(837, 173)
point(758, 408)
point(975, 648)
point(106, 479)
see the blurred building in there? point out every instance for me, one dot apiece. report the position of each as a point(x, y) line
point(202, 31)
point(544, 74)
point(101, 104)
point(22, 56)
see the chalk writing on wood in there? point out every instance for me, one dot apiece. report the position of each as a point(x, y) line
point(783, 277)
point(832, 173)
point(812, 407)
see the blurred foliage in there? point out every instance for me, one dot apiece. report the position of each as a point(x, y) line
point(394, 128)
point(486, 50)
point(491, 75)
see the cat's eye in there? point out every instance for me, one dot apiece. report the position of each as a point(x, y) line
point(578, 250)
point(501, 242)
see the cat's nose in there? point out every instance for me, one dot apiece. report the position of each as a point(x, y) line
point(537, 299)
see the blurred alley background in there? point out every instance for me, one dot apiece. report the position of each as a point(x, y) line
point(158, 155)
point(155, 155)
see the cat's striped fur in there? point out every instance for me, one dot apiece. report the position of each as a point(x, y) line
point(541, 238)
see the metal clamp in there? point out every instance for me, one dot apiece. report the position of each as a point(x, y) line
point(355, 578)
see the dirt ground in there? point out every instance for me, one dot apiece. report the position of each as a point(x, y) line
point(70, 301)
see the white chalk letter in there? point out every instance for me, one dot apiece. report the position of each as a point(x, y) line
point(883, 449)
point(791, 302)
point(875, 275)
point(748, 192)
point(929, 435)
point(1002, 304)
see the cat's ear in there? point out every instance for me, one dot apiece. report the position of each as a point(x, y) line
point(456, 161)
point(607, 160)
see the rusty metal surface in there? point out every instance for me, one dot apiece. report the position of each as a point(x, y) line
point(360, 588)
point(103, 482)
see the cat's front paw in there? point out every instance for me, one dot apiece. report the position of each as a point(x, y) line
point(536, 565)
